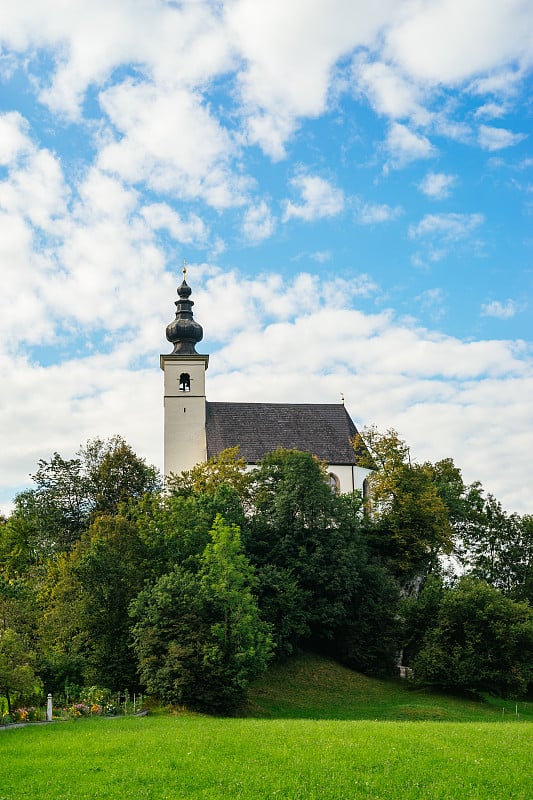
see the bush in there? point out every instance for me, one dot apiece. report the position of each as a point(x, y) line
point(481, 641)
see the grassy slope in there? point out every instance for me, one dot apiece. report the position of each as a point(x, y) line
point(310, 687)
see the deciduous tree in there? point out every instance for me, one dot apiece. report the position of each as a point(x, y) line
point(480, 641)
point(409, 522)
point(299, 525)
point(198, 636)
point(17, 677)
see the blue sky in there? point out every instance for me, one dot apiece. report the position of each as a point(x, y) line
point(351, 184)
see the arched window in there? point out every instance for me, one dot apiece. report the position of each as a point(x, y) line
point(334, 482)
point(185, 382)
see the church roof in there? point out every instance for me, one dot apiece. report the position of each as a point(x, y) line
point(325, 430)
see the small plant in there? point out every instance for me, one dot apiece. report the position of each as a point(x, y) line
point(97, 701)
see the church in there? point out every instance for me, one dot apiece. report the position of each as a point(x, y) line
point(197, 429)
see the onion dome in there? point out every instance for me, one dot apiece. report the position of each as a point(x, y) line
point(183, 332)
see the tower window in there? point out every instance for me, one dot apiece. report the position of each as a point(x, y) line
point(185, 382)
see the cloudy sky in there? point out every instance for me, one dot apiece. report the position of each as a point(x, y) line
point(350, 182)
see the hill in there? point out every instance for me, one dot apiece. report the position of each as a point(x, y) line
point(311, 687)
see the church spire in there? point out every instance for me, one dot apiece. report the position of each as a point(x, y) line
point(184, 332)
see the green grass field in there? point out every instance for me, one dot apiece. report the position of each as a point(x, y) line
point(310, 687)
point(315, 731)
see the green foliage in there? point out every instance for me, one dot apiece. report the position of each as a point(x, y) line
point(480, 641)
point(175, 527)
point(369, 639)
point(310, 535)
point(419, 614)
point(229, 564)
point(115, 474)
point(18, 607)
point(198, 637)
point(85, 599)
point(226, 469)
point(17, 676)
point(69, 493)
point(284, 606)
point(110, 567)
point(498, 547)
point(409, 524)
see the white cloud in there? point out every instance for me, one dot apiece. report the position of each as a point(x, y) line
point(437, 185)
point(188, 231)
point(319, 199)
point(500, 83)
point(258, 223)
point(171, 142)
point(289, 51)
point(498, 138)
point(13, 137)
point(451, 227)
point(376, 213)
point(491, 111)
point(321, 256)
point(176, 45)
point(432, 301)
point(36, 190)
point(450, 41)
point(439, 234)
point(387, 90)
point(499, 310)
point(404, 146)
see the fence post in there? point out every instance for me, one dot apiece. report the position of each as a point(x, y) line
point(49, 708)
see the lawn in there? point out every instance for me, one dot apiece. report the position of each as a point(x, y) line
point(200, 757)
point(310, 687)
point(313, 730)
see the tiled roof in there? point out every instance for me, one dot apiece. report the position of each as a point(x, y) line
point(259, 428)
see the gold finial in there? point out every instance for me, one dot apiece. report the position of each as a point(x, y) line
point(184, 266)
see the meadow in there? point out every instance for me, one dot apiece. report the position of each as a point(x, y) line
point(313, 730)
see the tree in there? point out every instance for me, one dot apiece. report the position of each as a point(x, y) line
point(69, 493)
point(369, 639)
point(409, 524)
point(480, 641)
point(17, 677)
point(18, 608)
point(110, 564)
point(225, 469)
point(198, 637)
point(115, 474)
point(498, 548)
point(418, 614)
point(62, 630)
point(85, 625)
point(308, 534)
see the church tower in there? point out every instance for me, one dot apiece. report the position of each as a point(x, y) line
point(184, 370)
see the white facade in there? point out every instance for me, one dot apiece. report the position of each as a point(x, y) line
point(184, 401)
point(349, 478)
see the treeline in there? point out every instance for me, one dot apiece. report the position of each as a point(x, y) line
point(189, 593)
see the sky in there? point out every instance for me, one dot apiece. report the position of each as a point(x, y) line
point(350, 183)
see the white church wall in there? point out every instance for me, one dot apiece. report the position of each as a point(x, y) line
point(349, 477)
